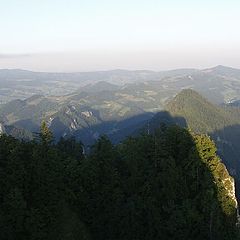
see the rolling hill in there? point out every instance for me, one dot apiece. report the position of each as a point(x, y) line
point(219, 84)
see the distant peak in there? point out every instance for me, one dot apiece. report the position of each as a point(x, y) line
point(186, 96)
point(188, 92)
point(221, 69)
point(221, 66)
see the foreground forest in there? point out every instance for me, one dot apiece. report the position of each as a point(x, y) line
point(166, 185)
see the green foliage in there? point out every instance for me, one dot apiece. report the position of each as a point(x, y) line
point(225, 183)
point(169, 185)
point(45, 134)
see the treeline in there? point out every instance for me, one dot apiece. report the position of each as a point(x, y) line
point(168, 185)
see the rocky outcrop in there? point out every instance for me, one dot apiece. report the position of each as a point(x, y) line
point(2, 128)
point(229, 185)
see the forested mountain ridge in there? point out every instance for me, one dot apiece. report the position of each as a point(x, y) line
point(167, 185)
point(222, 123)
point(200, 114)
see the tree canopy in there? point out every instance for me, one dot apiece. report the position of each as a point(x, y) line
point(167, 185)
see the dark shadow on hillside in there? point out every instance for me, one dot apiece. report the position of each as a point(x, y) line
point(115, 130)
point(27, 124)
point(118, 130)
point(166, 118)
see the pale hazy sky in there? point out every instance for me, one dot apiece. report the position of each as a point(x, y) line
point(83, 35)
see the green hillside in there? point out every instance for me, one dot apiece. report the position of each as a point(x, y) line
point(201, 115)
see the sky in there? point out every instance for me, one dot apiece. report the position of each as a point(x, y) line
point(89, 35)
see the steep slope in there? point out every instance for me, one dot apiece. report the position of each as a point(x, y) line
point(190, 109)
point(28, 113)
point(16, 132)
point(201, 115)
point(2, 129)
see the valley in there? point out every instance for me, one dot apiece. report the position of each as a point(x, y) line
point(115, 103)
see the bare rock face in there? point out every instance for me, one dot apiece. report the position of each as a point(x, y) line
point(2, 128)
point(229, 185)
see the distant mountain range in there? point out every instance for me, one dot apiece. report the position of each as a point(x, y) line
point(219, 84)
point(115, 103)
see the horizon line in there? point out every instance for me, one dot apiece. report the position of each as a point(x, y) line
point(120, 69)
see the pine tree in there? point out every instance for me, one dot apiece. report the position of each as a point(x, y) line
point(46, 135)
